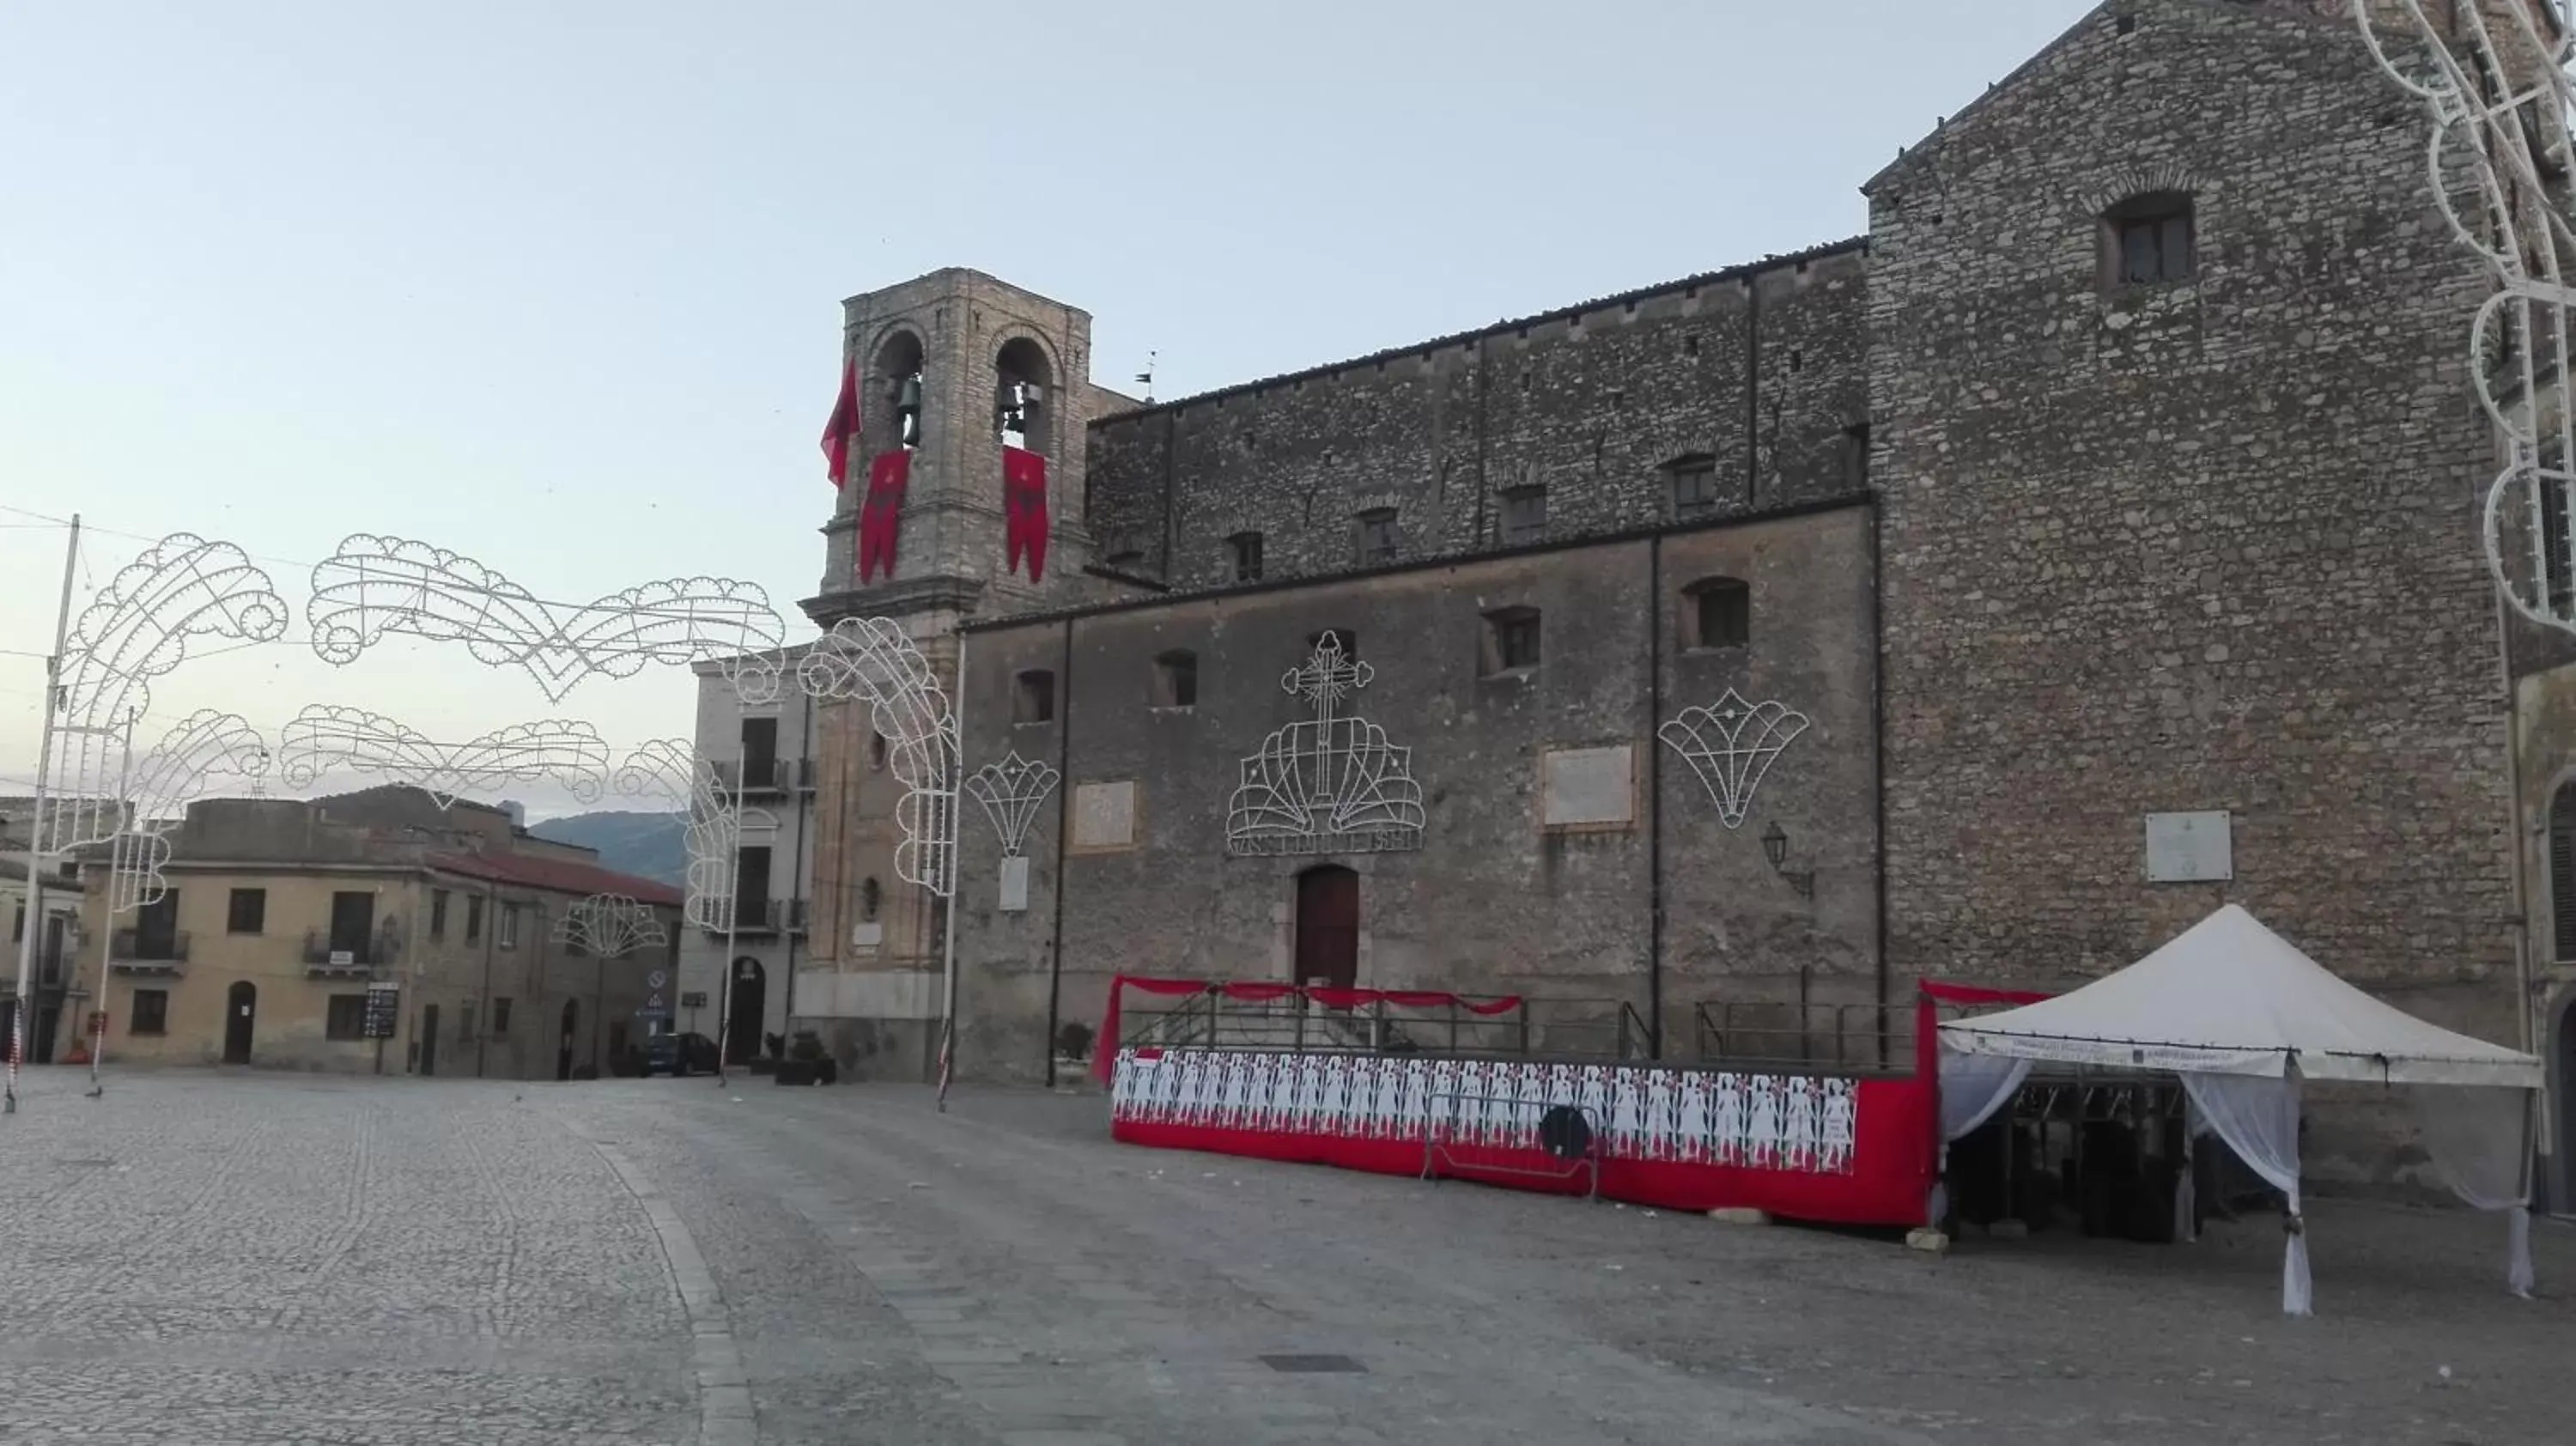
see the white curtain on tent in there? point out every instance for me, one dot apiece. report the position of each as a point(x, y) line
point(2479, 1137)
point(1973, 1087)
point(2258, 1117)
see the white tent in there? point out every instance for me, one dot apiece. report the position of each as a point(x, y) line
point(2242, 1016)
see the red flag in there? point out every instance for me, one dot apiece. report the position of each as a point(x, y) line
point(883, 509)
point(1024, 510)
point(841, 434)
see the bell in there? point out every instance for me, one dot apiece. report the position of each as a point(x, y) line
point(907, 395)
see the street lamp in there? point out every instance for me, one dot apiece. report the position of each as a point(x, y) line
point(1775, 847)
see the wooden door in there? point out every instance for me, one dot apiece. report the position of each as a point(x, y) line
point(1328, 926)
point(429, 1039)
point(241, 1008)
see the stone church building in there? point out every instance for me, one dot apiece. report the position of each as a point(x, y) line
point(1988, 597)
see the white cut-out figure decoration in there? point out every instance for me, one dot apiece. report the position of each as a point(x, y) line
point(1330, 784)
point(1730, 747)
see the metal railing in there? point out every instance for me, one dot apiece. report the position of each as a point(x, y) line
point(1566, 1028)
point(137, 946)
point(763, 775)
point(1845, 1038)
point(321, 952)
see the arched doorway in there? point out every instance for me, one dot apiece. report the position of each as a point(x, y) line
point(746, 1008)
point(241, 1010)
point(563, 1039)
point(1328, 926)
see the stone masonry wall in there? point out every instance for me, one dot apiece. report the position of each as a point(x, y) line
point(1495, 900)
point(2203, 545)
point(1758, 369)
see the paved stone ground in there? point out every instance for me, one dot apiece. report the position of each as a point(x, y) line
point(240, 1260)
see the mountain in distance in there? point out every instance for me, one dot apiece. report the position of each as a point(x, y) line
point(648, 845)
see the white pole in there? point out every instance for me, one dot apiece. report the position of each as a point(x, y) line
point(948, 963)
point(733, 917)
point(37, 855)
point(124, 842)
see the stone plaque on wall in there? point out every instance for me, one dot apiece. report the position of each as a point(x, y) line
point(2190, 848)
point(1104, 815)
point(1015, 885)
point(1588, 787)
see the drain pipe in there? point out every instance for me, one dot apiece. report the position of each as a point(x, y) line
point(1063, 836)
point(1654, 797)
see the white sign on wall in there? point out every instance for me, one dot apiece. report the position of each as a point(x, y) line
point(1015, 885)
point(1588, 787)
point(2191, 848)
point(1104, 815)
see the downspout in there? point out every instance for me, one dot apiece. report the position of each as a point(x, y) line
point(491, 937)
point(1655, 796)
point(796, 871)
point(1878, 757)
point(1063, 836)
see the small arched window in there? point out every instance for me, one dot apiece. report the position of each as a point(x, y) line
point(1717, 612)
point(871, 899)
point(1033, 700)
point(2562, 871)
point(2148, 240)
point(876, 752)
point(1176, 679)
point(1022, 377)
point(1511, 640)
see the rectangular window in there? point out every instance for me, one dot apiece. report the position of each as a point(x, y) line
point(18, 928)
point(248, 913)
point(473, 917)
point(438, 913)
point(465, 1023)
point(1511, 640)
point(509, 926)
point(1721, 614)
point(348, 1017)
point(1695, 489)
point(1176, 679)
point(1525, 514)
point(151, 1011)
point(1377, 544)
point(500, 1017)
point(1246, 547)
point(1033, 701)
point(1856, 457)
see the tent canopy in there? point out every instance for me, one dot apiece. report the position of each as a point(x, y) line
point(2228, 996)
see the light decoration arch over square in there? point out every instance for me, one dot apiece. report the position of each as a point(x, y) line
point(323, 737)
point(610, 926)
point(1330, 784)
point(206, 744)
point(873, 660)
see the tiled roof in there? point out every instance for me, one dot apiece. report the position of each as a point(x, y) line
point(555, 875)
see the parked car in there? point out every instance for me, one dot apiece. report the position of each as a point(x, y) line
point(679, 1054)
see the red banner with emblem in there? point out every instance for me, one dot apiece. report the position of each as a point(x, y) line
point(1024, 510)
point(882, 511)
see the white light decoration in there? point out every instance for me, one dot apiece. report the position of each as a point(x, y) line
point(610, 926)
point(207, 743)
point(2494, 83)
point(1331, 784)
point(713, 822)
point(324, 737)
point(1011, 792)
point(1731, 745)
point(138, 628)
point(378, 585)
point(873, 659)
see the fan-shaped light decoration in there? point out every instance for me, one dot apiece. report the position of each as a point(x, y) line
point(324, 737)
point(2494, 84)
point(610, 925)
point(1731, 746)
point(378, 585)
point(206, 744)
point(872, 659)
point(1011, 792)
point(666, 773)
point(138, 628)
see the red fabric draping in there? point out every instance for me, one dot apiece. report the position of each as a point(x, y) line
point(841, 432)
point(882, 512)
point(1949, 993)
point(1104, 1050)
point(1024, 510)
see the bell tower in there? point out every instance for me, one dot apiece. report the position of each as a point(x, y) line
point(964, 497)
point(954, 368)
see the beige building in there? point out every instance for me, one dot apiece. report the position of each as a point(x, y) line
point(55, 921)
point(379, 933)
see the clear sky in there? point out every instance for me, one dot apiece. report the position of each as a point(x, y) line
point(555, 283)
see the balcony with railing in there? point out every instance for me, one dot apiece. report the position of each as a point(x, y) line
point(325, 958)
point(764, 916)
point(148, 951)
point(764, 777)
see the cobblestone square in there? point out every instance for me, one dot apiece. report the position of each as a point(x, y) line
point(244, 1259)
